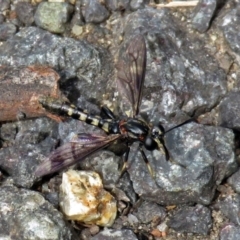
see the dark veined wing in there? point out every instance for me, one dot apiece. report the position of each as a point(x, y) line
point(131, 73)
point(76, 150)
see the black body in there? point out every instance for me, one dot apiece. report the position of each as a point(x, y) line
point(130, 81)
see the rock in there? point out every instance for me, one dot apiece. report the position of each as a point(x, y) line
point(2, 18)
point(52, 16)
point(83, 199)
point(81, 65)
point(7, 30)
point(17, 103)
point(234, 181)
point(25, 13)
point(117, 5)
point(4, 5)
point(200, 158)
point(29, 145)
point(26, 214)
point(181, 83)
point(149, 211)
point(230, 207)
point(77, 18)
point(138, 4)
point(229, 24)
point(203, 14)
point(192, 219)
point(109, 234)
point(95, 12)
point(230, 232)
point(229, 111)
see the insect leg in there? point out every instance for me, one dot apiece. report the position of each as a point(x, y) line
point(164, 149)
point(151, 171)
point(107, 112)
point(125, 164)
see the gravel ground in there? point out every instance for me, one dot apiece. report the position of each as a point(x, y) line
point(68, 50)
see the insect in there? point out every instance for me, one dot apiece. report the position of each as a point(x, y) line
point(130, 81)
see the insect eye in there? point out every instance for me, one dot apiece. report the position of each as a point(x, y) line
point(157, 132)
point(149, 143)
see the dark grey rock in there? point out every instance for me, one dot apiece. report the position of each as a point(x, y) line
point(229, 111)
point(4, 5)
point(53, 198)
point(230, 232)
point(26, 214)
point(116, 5)
point(34, 140)
point(67, 128)
point(105, 163)
point(138, 4)
point(234, 181)
point(89, 66)
point(86, 234)
point(203, 14)
point(148, 211)
point(126, 185)
point(2, 18)
point(8, 132)
point(192, 220)
point(182, 80)
point(25, 13)
point(200, 158)
point(230, 26)
point(95, 12)
point(52, 16)
point(77, 16)
point(230, 207)
point(197, 146)
point(7, 30)
point(109, 234)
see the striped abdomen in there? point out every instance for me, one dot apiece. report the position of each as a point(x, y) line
point(65, 109)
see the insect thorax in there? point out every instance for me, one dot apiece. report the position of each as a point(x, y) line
point(134, 128)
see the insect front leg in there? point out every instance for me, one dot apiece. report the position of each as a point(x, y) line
point(151, 171)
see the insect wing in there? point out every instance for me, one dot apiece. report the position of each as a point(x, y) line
point(131, 73)
point(76, 150)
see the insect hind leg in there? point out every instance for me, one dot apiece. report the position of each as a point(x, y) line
point(125, 163)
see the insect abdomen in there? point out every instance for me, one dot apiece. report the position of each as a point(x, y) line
point(64, 109)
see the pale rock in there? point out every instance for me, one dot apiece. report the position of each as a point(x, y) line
point(82, 198)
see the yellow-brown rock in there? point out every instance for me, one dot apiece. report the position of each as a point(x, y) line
point(82, 198)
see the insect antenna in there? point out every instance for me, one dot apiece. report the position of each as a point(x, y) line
point(163, 143)
point(179, 125)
